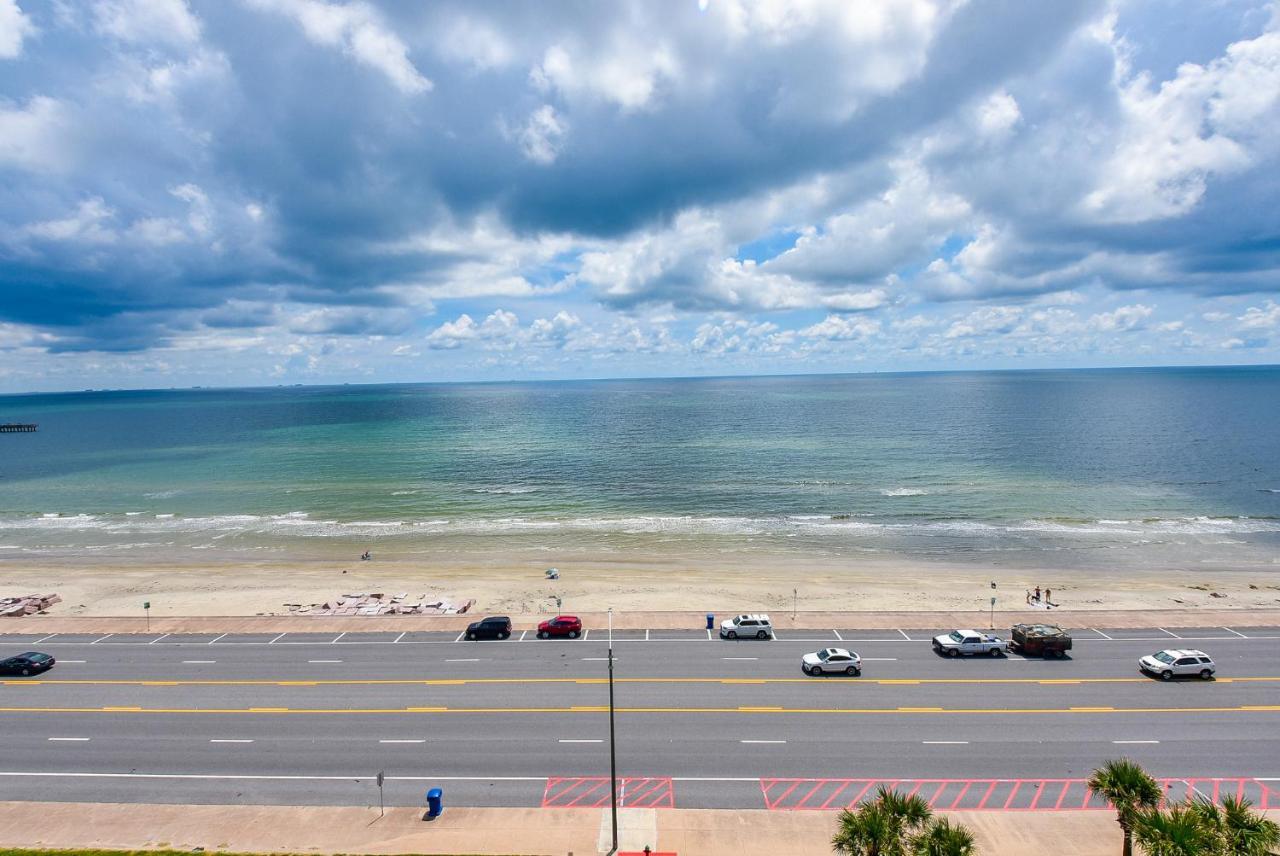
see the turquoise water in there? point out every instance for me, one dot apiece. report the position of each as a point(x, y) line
point(1069, 467)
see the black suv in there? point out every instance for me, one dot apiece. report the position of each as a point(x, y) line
point(493, 627)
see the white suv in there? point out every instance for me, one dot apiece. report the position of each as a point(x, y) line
point(747, 625)
point(1172, 663)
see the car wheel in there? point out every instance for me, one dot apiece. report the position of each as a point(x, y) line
point(954, 652)
point(26, 672)
point(503, 635)
point(471, 637)
point(1166, 675)
point(1205, 674)
point(732, 634)
point(811, 670)
point(762, 635)
point(851, 671)
point(542, 634)
point(573, 634)
point(995, 652)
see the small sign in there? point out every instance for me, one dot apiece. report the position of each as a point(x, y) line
point(146, 604)
point(381, 778)
point(993, 601)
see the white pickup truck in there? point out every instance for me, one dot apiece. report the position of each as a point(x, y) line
point(970, 642)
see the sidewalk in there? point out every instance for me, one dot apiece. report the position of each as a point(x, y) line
point(595, 621)
point(688, 832)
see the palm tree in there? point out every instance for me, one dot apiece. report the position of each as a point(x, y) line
point(1240, 830)
point(1181, 830)
point(943, 838)
point(883, 826)
point(1129, 789)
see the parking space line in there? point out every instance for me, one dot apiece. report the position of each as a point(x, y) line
point(1170, 632)
point(45, 639)
point(460, 635)
point(96, 641)
point(277, 639)
point(1238, 633)
point(708, 634)
point(335, 639)
point(839, 638)
point(157, 639)
point(904, 635)
point(522, 634)
point(216, 638)
point(584, 635)
point(1100, 633)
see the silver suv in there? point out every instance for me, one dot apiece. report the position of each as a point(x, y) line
point(747, 625)
point(1172, 663)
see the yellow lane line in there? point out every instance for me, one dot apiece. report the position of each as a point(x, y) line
point(601, 709)
point(444, 682)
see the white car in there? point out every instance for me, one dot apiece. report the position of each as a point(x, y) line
point(831, 661)
point(747, 625)
point(1172, 663)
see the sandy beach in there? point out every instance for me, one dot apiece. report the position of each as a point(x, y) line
point(593, 583)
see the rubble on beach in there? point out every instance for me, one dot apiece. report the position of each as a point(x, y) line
point(377, 603)
point(27, 604)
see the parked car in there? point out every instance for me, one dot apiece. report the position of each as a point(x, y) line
point(1040, 640)
point(1173, 663)
point(968, 643)
point(561, 625)
point(747, 625)
point(493, 627)
point(29, 663)
point(831, 661)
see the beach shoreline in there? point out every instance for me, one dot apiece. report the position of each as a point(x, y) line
point(517, 585)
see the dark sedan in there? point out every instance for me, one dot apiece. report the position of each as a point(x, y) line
point(27, 664)
point(493, 627)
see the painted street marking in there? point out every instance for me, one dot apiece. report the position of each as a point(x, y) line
point(464, 660)
point(398, 638)
point(739, 658)
point(1170, 632)
point(101, 638)
point(1241, 635)
point(646, 634)
point(402, 741)
point(945, 742)
point(523, 633)
point(334, 640)
point(277, 639)
point(72, 661)
point(1134, 741)
point(879, 659)
point(1100, 633)
point(594, 792)
point(324, 661)
point(599, 659)
point(460, 635)
point(229, 740)
point(585, 633)
point(158, 638)
point(199, 661)
point(216, 638)
point(569, 740)
point(68, 739)
point(762, 741)
point(904, 635)
point(38, 641)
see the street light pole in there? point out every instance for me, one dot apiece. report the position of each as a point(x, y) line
point(613, 755)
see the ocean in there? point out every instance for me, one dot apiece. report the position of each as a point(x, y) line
point(1088, 468)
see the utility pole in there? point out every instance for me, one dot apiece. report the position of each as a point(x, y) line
point(613, 754)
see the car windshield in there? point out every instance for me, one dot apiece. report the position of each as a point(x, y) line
point(956, 637)
point(1164, 657)
point(824, 654)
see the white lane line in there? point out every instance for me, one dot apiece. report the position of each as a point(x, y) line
point(101, 638)
point(904, 635)
point(277, 639)
point(334, 640)
point(398, 638)
point(158, 638)
point(464, 660)
point(13, 774)
point(1100, 633)
point(460, 635)
point(68, 739)
point(584, 635)
point(762, 741)
point(199, 661)
point(708, 634)
point(38, 641)
point(71, 661)
point(598, 659)
point(324, 661)
point(229, 740)
point(739, 658)
point(646, 634)
point(879, 659)
point(569, 740)
point(1134, 741)
point(522, 634)
point(402, 741)
point(1241, 635)
point(945, 742)
point(1170, 632)
point(839, 638)
point(216, 638)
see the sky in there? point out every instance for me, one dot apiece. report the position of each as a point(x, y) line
point(256, 192)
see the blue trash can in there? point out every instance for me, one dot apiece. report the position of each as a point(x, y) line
point(711, 621)
point(435, 802)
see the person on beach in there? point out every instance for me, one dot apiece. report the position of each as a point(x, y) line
point(1037, 597)
point(1028, 597)
point(1048, 600)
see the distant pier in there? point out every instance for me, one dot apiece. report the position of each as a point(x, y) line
point(17, 427)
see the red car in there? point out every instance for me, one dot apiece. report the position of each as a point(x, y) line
point(561, 625)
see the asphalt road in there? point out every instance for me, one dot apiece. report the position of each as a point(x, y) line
point(308, 720)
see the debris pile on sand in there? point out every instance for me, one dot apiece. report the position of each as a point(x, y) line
point(377, 603)
point(27, 604)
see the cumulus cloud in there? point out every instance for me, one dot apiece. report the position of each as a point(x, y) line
point(33, 137)
point(147, 21)
point(14, 28)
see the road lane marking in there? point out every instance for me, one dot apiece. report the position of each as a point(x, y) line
point(229, 740)
point(277, 639)
point(1241, 635)
point(879, 659)
point(523, 633)
point(577, 740)
point(464, 660)
point(460, 635)
point(68, 739)
point(1134, 741)
point(1170, 632)
point(398, 638)
point(334, 640)
point(96, 641)
point(403, 741)
point(762, 741)
point(324, 661)
point(1100, 633)
point(216, 638)
point(944, 742)
point(44, 638)
point(272, 778)
point(600, 659)
point(158, 638)
point(72, 661)
point(904, 635)
point(646, 634)
point(739, 658)
point(200, 661)
point(839, 638)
